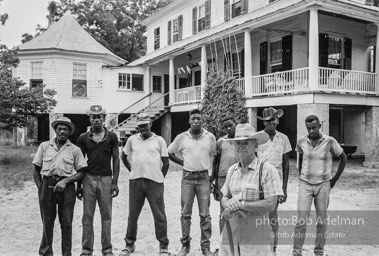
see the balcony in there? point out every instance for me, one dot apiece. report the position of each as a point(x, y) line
point(188, 95)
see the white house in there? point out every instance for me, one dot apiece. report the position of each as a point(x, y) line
point(307, 57)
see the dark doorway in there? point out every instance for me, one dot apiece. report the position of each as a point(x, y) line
point(43, 128)
point(81, 123)
point(179, 123)
point(166, 82)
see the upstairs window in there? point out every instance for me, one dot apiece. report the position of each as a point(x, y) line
point(79, 80)
point(124, 81)
point(234, 8)
point(36, 74)
point(201, 17)
point(335, 51)
point(175, 30)
point(276, 53)
point(235, 63)
point(157, 38)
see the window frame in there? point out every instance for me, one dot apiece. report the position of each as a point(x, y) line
point(234, 4)
point(154, 83)
point(175, 26)
point(157, 38)
point(78, 79)
point(278, 52)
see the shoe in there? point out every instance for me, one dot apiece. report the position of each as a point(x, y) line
point(163, 250)
point(108, 254)
point(207, 252)
point(86, 254)
point(185, 250)
point(129, 249)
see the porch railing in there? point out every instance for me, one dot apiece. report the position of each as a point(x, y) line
point(188, 94)
point(241, 84)
point(347, 80)
point(279, 82)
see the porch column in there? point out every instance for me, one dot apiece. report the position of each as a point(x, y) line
point(252, 114)
point(166, 127)
point(248, 64)
point(171, 81)
point(204, 69)
point(377, 58)
point(372, 138)
point(320, 110)
point(313, 49)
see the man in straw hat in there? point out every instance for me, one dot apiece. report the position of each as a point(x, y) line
point(316, 151)
point(197, 148)
point(57, 165)
point(250, 193)
point(148, 166)
point(100, 180)
point(276, 152)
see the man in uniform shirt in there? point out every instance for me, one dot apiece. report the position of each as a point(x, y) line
point(100, 182)
point(316, 151)
point(148, 167)
point(226, 157)
point(276, 152)
point(197, 148)
point(57, 165)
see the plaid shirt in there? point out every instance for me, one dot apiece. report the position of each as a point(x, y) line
point(245, 183)
point(273, 151)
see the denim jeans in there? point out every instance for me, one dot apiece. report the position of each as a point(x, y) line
point(48, 201)
point(320, 194)
point(196, 183)
point(97, 189)
point(139, 189)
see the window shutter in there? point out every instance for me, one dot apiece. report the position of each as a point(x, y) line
point(194, 20)
point(207, 14)
point(374, 59)
point(263, 57)
point(347, 49)
point(244, 6)
point(169, 32)
point(226, 10)
point(287, 52)
point(180, 27)
point(323, 44)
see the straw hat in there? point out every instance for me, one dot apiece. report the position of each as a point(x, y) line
point(66, 121)
point(247, 132)
point(269, 113)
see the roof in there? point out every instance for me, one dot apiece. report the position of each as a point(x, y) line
point(67, 35)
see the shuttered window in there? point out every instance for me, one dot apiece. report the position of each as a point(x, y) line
point(194, 20)
point(335, 51)
point(169, 32)
point(263, 58)
point(226, 10)
point(157, 38)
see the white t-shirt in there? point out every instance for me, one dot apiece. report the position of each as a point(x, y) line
point(145, 157)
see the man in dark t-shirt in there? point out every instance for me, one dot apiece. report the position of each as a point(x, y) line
point(100, 182)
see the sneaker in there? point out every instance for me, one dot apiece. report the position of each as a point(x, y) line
point(185, 250)
point(207, 252)
point(129, 249)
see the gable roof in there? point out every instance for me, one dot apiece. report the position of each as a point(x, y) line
point(67, 35)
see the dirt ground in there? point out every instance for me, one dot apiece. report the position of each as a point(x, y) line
point(21, 227)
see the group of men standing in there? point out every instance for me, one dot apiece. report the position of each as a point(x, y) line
point(58, 164)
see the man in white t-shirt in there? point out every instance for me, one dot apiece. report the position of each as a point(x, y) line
point(148, 165)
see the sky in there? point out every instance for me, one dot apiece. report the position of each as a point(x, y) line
point(24, 15)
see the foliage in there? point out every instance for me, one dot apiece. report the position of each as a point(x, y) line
point(3, 16)
point(17, 101)
point(222, 97)
point(116, 24)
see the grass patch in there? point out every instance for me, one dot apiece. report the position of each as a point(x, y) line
point(15, 166)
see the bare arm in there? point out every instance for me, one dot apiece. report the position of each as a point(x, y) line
point(175, 159)
point(285, 168)
point(61, 185)
point(341, 167)
point(37, 175)
point(265, 205)
point(300, 163)
point(125, 161)
point(215, 167)
point(166, 165)
point(116, 169)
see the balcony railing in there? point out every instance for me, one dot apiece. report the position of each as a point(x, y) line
point(347, 80)
point(279, 82)
point(188, 94)
point(241, 84)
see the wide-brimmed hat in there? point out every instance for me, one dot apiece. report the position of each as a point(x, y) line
point(269, 113)
point(96, 110)
point(247, 132)
point(143, 118)
point(66, 121)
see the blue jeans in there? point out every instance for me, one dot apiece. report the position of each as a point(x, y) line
point(320, 194)
point(139, 189)
point(221, 182)
point(48, 202)
point(196, 183)
point(97, 188)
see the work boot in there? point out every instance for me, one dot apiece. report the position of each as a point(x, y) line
point(128, 250)
point(185, 249)
point(207, 252)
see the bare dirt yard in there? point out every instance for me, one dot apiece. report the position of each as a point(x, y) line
point(21, 227)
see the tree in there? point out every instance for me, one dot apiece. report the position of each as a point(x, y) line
point(222, 97)
point(116, 24)
point(3, 16)
point(17, 101)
